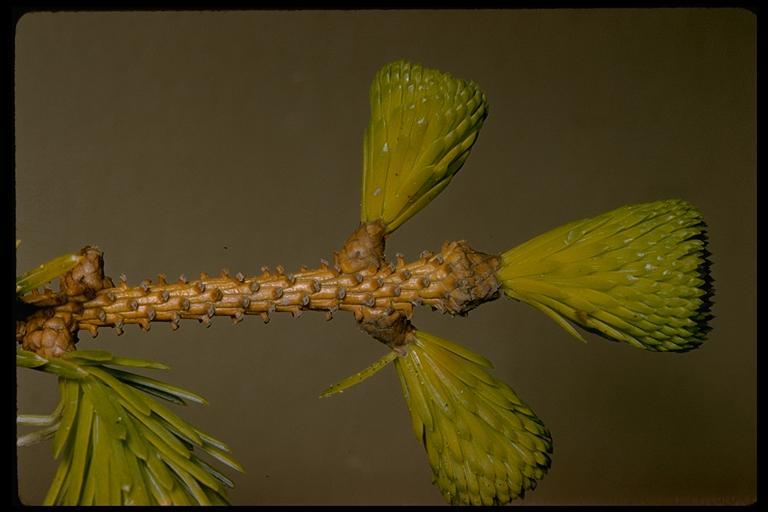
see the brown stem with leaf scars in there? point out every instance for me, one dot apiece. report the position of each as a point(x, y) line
point(381, 295)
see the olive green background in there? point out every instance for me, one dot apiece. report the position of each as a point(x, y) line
point(181, 142)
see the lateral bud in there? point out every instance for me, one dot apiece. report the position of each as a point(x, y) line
point(363, 249)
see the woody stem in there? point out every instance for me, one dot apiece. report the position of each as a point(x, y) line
point(381, 295)
point(438, 280)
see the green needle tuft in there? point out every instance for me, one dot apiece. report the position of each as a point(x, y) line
point(485, 446)
point(116, 444)
point(638, 274)
point(423, 124)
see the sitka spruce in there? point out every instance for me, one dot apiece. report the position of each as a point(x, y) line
point(638, 274)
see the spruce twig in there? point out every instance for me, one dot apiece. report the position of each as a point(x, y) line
point(638, 274)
